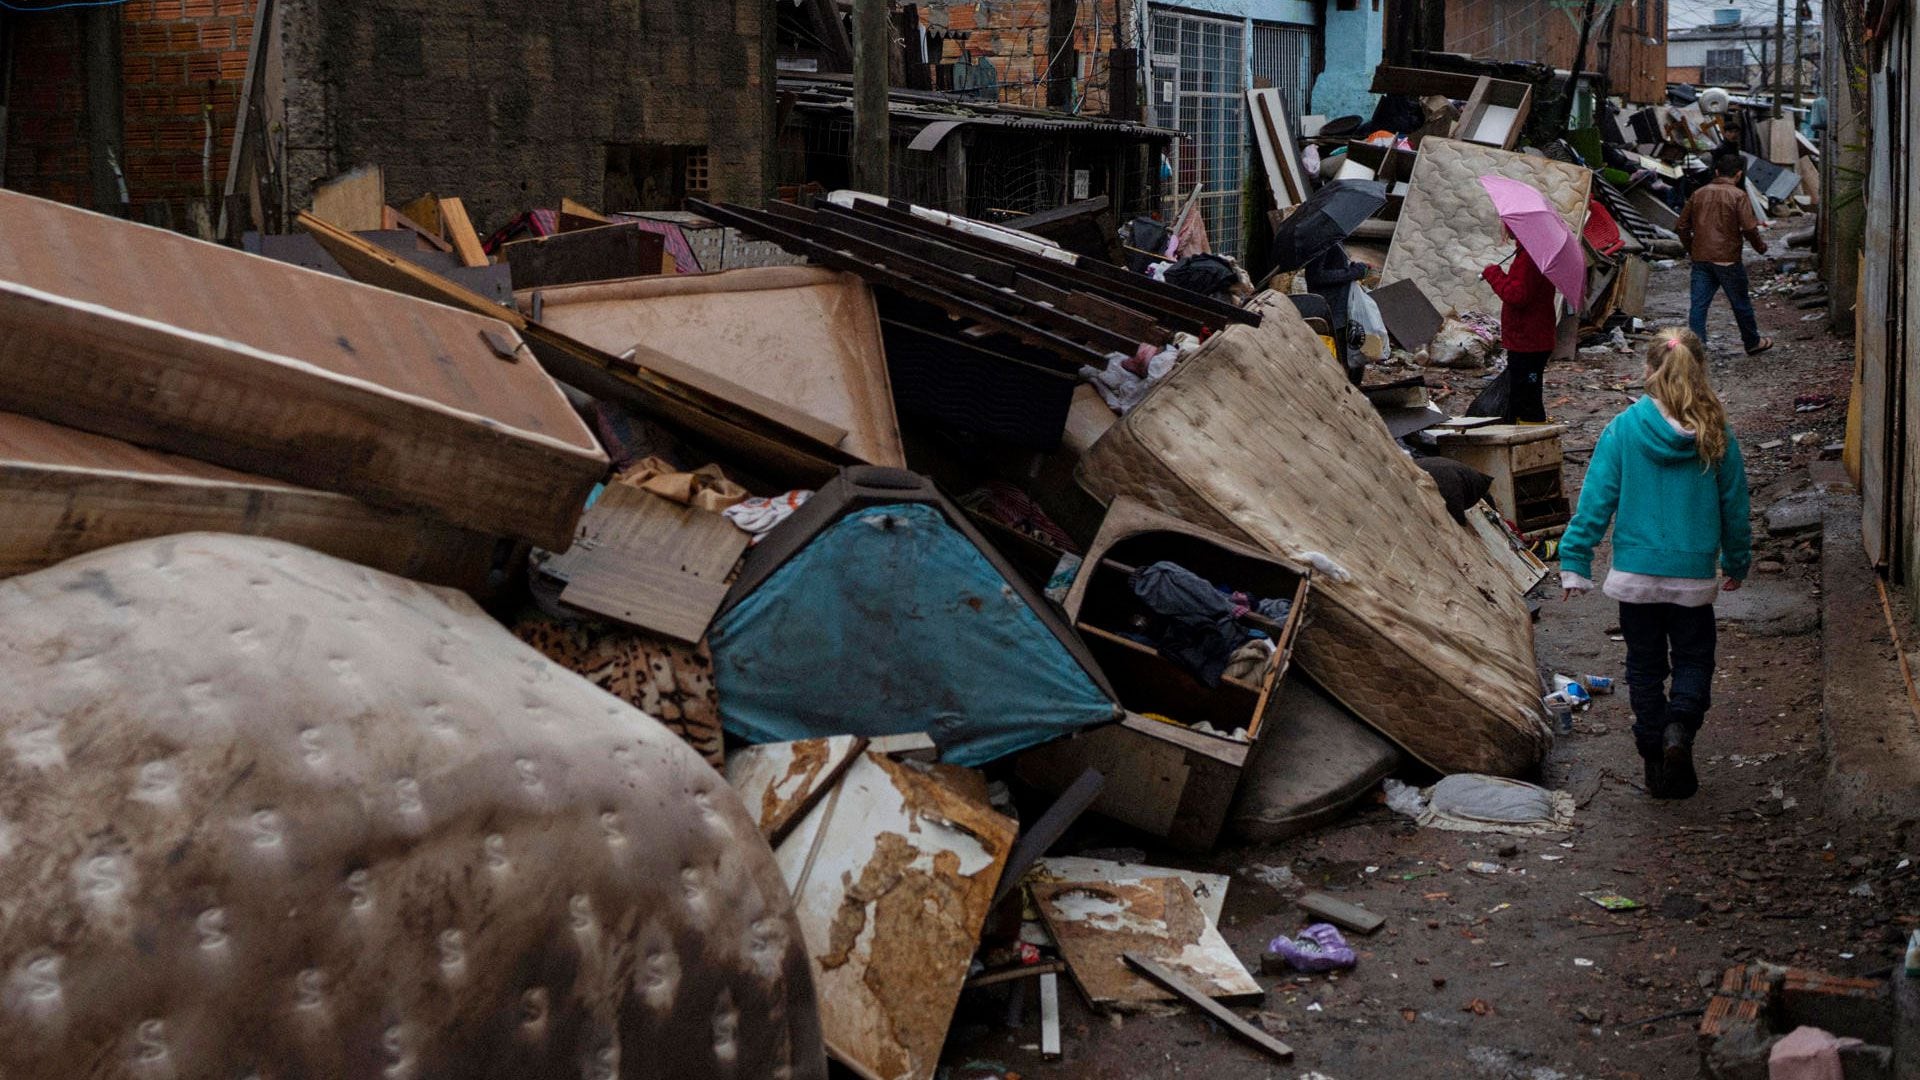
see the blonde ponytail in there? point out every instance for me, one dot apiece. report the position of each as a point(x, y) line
point(1678, 362)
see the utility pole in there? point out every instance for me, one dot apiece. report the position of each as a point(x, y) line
point(1799, 42)
point(1779, 47)
point(872, 46)
point(1579, 61)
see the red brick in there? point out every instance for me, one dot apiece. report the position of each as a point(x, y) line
point(197, 9)
point(216, 36)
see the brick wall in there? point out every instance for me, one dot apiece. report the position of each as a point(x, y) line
point(183, 62)
point(1014, 36)
point(45, 153)
point(513, 106)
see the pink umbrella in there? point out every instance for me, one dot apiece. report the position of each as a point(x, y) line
point(1545, 235)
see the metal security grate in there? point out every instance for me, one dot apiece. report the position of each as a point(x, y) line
point(1199, 86)
point(1283, 59)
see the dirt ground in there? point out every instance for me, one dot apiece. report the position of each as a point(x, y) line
point(1514, 974)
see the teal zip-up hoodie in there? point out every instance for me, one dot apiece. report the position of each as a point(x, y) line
point(1670, 516)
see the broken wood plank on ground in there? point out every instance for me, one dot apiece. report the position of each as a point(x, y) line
point(1095, 922)
point(1341, 914)
point(1170, 979)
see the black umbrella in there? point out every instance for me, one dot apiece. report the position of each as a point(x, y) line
point(1327, 217)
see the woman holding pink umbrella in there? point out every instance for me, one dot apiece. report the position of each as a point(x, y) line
point(1548, 258)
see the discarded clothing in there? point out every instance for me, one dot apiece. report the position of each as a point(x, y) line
point(1460, 485)
point(1000, 501)
point(1470, 802)
point(1249, 662)
point(1207, 275)
point(706, 488)
point(1125, 381)
point(757, 516)
point(1200, 633)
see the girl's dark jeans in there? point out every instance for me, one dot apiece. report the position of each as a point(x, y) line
point(1667, 640)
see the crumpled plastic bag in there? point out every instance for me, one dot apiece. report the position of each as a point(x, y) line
point(1471, 802)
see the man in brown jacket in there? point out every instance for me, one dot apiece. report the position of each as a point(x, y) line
point(1714, 222)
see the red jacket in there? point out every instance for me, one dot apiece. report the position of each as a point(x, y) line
point(1527, 319)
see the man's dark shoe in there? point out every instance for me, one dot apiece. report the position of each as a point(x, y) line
point(1682, 781)
point(1656, 763)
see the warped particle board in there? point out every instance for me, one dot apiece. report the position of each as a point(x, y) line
point(779, 782)
point(1095, 923)
point(68, 492)
point(649, 562)
point(355, 200)
point(600, 253)
point(149, 336)
point(805, 338)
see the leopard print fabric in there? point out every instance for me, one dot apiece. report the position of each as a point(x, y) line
point(671, 682)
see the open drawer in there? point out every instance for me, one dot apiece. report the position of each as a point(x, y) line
point(1173, 764)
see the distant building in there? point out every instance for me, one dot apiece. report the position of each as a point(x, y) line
point(1738, 55)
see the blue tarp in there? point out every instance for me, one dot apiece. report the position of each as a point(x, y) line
point(892, 622)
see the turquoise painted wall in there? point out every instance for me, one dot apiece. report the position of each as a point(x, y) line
point(1353, 51)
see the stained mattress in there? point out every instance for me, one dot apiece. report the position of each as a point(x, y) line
point(1448, 230)
point(266, 812)
point(1258, 436)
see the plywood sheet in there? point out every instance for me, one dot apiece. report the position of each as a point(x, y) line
point(1095, 923)
point(603, 253)
point(891, 877)
point(355, 201)
point(1448, 229)
point(650, 562)
point(68, 492)
point(779, 782)
point(149, 336)
point(1209, 890)
point(804, 336)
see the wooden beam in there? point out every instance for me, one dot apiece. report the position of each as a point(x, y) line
point(1226, 1017)
point(466, 242)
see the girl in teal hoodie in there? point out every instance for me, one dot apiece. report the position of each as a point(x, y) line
point(1667, 474)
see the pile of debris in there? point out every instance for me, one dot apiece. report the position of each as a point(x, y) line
point(906, 522)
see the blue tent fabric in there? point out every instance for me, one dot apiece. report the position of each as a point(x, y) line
point(891, 622)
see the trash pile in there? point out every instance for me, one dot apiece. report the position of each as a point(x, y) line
point(419, 583)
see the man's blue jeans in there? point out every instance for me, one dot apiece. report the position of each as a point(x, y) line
point(1709, 278)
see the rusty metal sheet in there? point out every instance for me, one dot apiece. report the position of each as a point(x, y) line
point(892, 875)
point(781, 781)
point(149, 336)
point(1096, 923)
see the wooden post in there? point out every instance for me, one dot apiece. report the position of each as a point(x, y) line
point(1779, 46)
point(872, 49)
point(1799, 43)
point(1579, 61)
point(103, 118)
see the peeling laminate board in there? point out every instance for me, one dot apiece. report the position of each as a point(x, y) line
point(781, 781)
point(892, 874)
point(1209, 890)
point(1096, 923)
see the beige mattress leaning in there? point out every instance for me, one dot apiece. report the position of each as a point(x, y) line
point(1258, 436)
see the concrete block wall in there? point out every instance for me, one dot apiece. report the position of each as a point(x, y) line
point(513, 106)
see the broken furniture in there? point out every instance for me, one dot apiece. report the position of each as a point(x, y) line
point(892, 873)
point(1524, 461)
point(878, 608)
point(68, 492)
point(1449, 230)
point(1495, 113)
point(266, 368)
point(1255, 436)
point(1097, 922)
point(1287, 183)
point(1164, 776)
point(491, 880)
point(780, 782)
point(800, 345)
point(1315, 763)
point(1509, 551)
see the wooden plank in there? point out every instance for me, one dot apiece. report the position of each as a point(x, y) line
point(812, 427)
point(1048, 828)
point(296, 375)
point(1342, 914)
point(1095, 922)
point(1050, 1016)
point(605, 253)
point(466, 242)
point(355, 200)
point(68, 492)
point(1015, 974)
point(394, 219)
point(780, 782)
point(648, 596)
point(370, 264)
point(425, 212)
point(1170, 979)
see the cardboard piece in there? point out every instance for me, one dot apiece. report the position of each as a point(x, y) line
point(299, 376)
point(1411, 318)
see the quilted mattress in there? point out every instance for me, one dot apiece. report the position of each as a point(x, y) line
point(1448, 231)
point(1258, 436)
point(267, 813)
